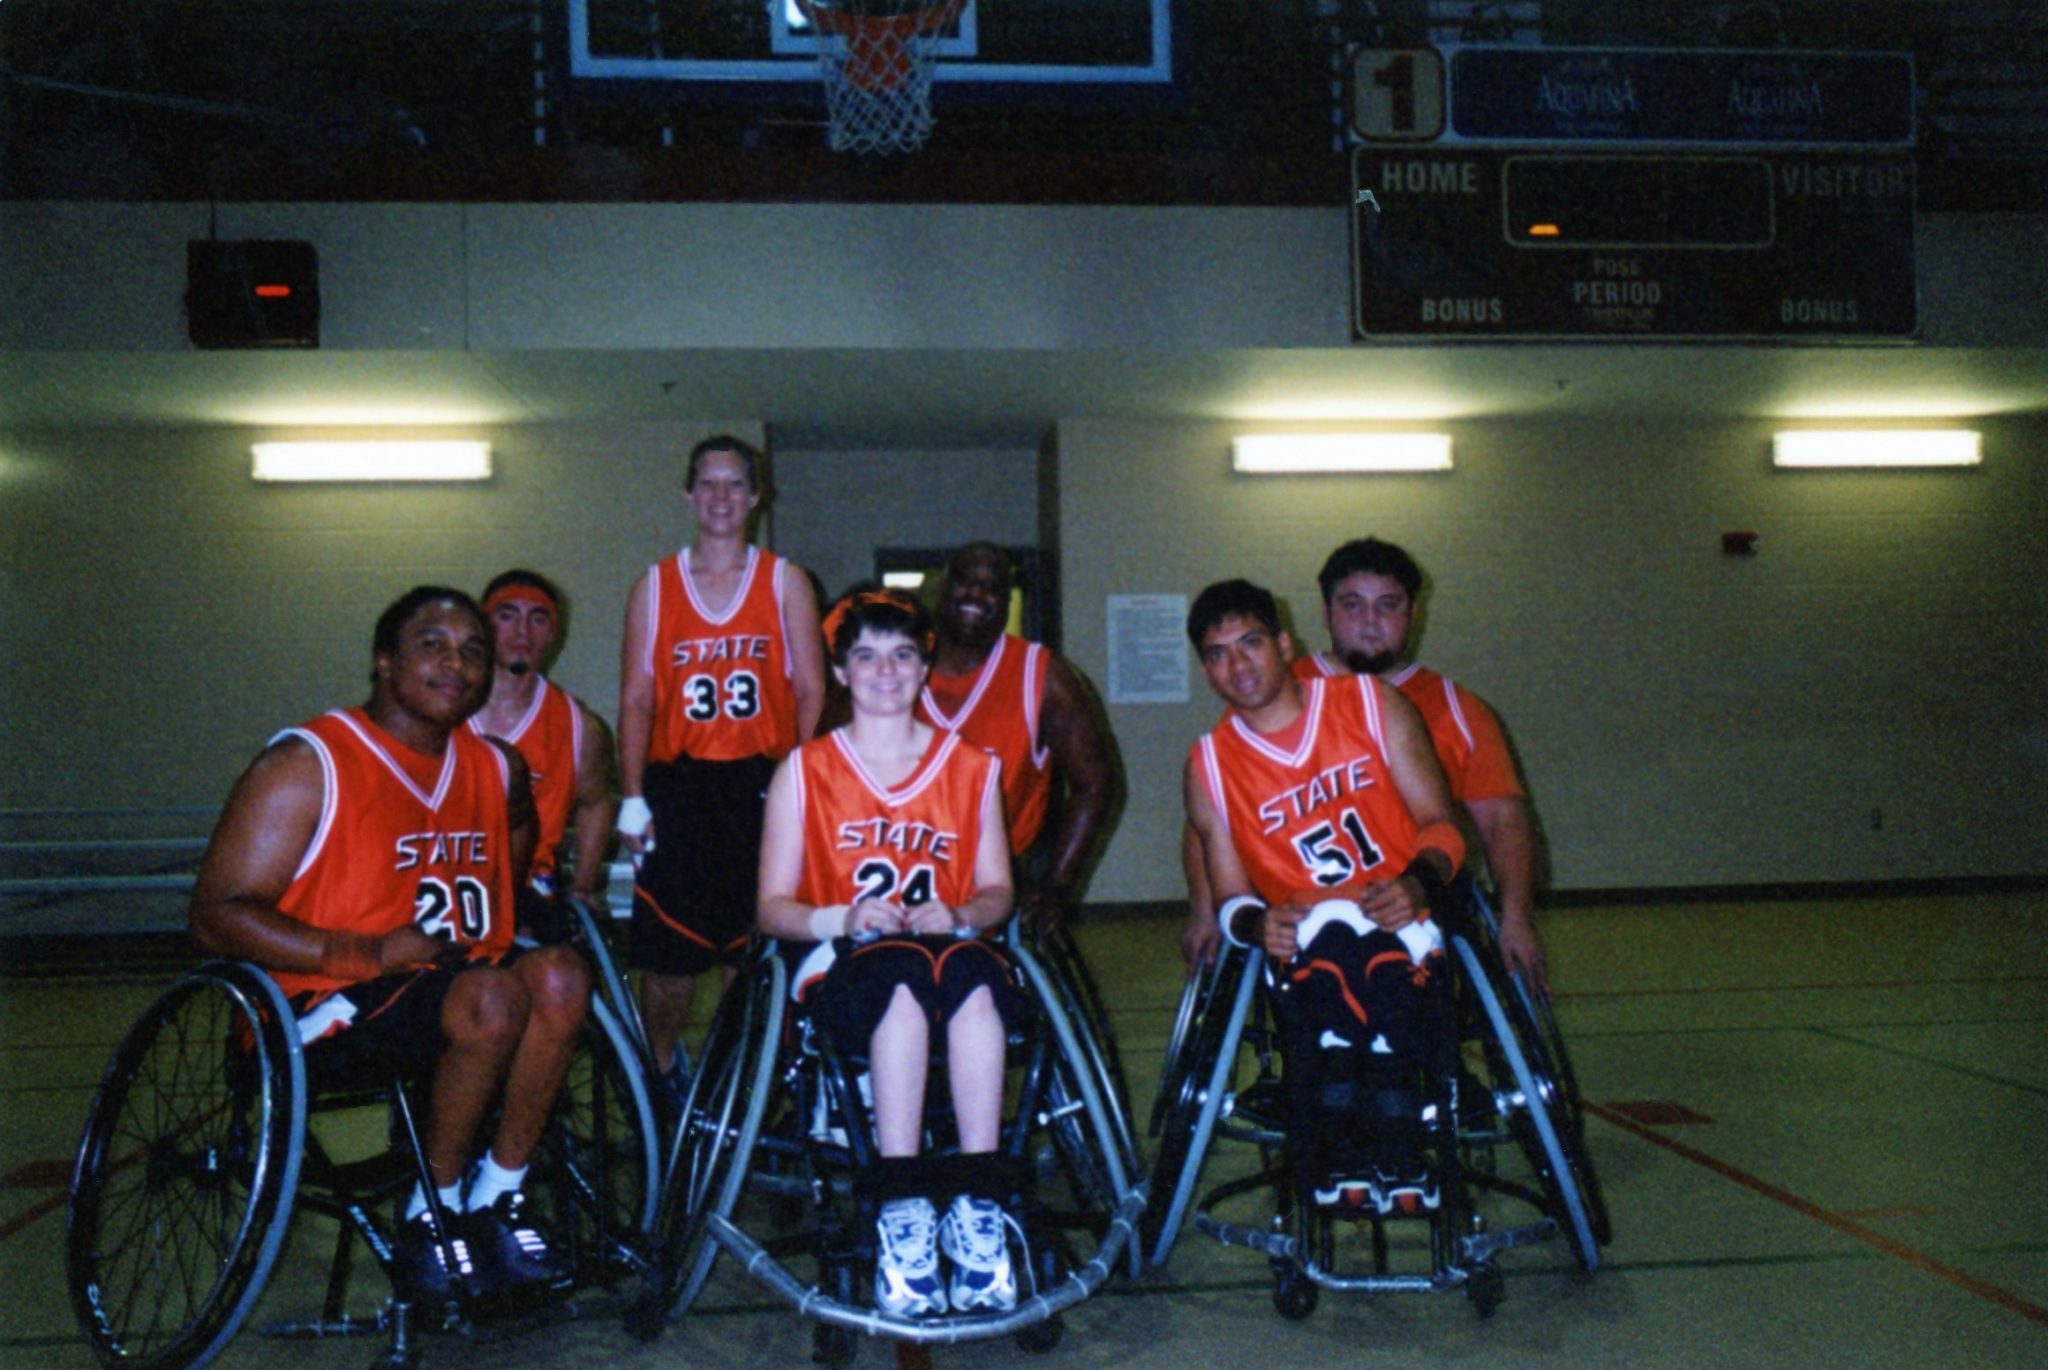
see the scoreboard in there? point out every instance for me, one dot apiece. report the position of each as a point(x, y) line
point(1578, 207)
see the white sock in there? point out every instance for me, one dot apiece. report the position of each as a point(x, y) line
point(451, 1200)
point(492, 1180)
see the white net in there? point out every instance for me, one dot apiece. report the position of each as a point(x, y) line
point(876, 57)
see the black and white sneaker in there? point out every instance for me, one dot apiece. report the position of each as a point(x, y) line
point(424, 1263)
point(510, 1251)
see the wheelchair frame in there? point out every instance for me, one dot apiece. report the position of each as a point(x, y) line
point(197, 1137)
point(719, 1151)
point(1525, 1099)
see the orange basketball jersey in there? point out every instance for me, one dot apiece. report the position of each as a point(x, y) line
point(997, 708)
point(722, 686)
point(404, 838)
point(1320, 814)
point(1464, 731)
point(909, 844)
point(550, 737)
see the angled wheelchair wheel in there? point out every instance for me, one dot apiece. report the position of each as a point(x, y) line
point(716, 1130)
point(1537, 1023)
point(1201, 1084)
point(1090, 1124)
point(1083, 1001)
point(1195, 992)
point(184, 1180)
point(608, 983)
point(600, 1160)
point(1527, 1101)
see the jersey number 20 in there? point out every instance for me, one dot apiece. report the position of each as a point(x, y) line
point(458, 913)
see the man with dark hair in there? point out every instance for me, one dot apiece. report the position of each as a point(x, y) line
point(722, 674)
point(368, 860)
point(1370, 590)
point(567, 747)
point(1022, 702)
point(1323, 826)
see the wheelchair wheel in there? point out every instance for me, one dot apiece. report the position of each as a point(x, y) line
point(1528, 1100)
point(1208, 1062)
point(185, 1177)
point(717, 1127)
point(1083, 1001)
point(609, 985)
point(1195, 992)
point(600, 1160)
point(1098, 1152)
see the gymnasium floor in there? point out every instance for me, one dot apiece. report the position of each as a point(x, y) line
point(1819, 1125)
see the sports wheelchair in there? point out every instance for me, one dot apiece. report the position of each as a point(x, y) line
point(1500, 1117)
point(775, 1131)
point(208, 1132)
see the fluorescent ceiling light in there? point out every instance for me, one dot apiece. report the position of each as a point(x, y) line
point(1266, 453)
point(903, 580)
point(378, 459)
point(1877, 447)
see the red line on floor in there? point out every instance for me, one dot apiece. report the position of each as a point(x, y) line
point(31, 1213)
point(2005, 1299)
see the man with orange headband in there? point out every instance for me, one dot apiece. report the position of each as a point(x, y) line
point(567, 747)
point(1325, 828)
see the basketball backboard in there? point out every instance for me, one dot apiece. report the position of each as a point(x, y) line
point(1045, 42)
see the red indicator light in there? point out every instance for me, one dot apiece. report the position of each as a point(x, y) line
point(273, 292)
point(1543, 230)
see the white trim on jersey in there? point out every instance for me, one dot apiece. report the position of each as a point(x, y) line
point(1313, 707)
point(739, 596)
point(575, 734)
point(330, 795)
point(919, 779)
point(1458, 712)
point(653, 613)
point(954, 722)
point(1036, 665)
point(1373, 723)
point(775, 583)
point(1212, 776)
point(517, 730)
point(431, 803)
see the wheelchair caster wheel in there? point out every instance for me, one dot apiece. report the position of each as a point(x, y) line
point(1294, 1297)
point(1041, 1337)
point(1485, 1287)
point(833, 1345)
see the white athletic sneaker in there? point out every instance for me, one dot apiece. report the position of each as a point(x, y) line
point(907, 1280)
point(972, 1238)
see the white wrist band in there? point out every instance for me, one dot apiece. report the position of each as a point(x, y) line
point(829, 922)
point(1232, 907)
point(634, 815)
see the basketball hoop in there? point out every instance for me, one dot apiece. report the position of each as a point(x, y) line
point(876, 57)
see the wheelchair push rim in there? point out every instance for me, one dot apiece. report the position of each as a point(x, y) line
point(1530, 1114)
point(184, 1179)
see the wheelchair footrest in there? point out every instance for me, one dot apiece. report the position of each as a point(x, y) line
point(814, 1303)
point(1285, 1248)
point(1484, 1246)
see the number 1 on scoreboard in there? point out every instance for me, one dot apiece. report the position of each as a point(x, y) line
point(1397, 95)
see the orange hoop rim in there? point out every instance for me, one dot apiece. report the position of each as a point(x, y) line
point(885, 28)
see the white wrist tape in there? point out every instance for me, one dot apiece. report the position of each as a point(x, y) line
point(1232, 907)
point(634, 815)
point(829, 922)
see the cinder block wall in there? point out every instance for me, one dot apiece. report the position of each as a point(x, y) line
point(1861, 700)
